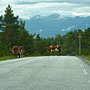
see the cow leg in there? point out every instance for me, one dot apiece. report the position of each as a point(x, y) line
point(49, 54)
point(19, 55)
point(59, 53)
point(53, 53)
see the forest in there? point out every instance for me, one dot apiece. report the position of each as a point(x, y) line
point(13, 33)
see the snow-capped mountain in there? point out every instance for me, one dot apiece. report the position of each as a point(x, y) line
point(48, 26)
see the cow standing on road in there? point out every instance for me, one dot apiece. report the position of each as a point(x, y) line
point(21, 50)
point(18, 51)
point(15, 51)
point(52, 49)
point(58, 49)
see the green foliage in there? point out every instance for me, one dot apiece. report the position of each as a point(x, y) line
point(9, 26)
point(58, 40)
point(38, 37)
point(6, 58)
point(14, 33)
point(71, 42)
point(86, 57)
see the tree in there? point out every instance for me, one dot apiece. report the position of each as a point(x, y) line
point(86, 42)
point(1, 22)
point(2, 53)
point(58, 39)
point(38, 37)
point(9, 26)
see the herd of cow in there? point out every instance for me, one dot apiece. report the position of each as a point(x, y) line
point(18, 51)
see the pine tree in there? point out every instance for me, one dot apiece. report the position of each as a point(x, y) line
point(1, 22)
point(38, 37)
point(10, 28)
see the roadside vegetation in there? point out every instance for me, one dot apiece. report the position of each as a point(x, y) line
point(7, 58)
point(13, 32)
point(86, 57)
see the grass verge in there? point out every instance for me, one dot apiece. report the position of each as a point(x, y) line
point(86, 57)
point(6, 58)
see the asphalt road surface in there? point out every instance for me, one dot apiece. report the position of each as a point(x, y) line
point(45, 73)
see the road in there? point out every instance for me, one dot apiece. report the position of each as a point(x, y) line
point(45, 73)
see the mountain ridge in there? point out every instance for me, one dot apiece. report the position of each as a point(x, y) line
point(49, 26)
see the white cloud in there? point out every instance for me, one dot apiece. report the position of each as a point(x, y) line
point(44, 8)
point(80, 14)
point(82, 11)
point(0, 9)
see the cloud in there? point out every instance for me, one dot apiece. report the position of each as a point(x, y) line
point(0, 9)
point(82, 11)
point(50, 1)
point(43, 9)
point(29, 8)
point(80, 14)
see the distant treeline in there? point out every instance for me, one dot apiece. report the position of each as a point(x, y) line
point(13, 33)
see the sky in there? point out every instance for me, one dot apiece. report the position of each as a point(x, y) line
point(29, 8)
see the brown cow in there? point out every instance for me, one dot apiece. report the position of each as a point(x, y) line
point(18, 51)
point(58, 48)
point(15, 51)
point(21, 50)
point(52, 49)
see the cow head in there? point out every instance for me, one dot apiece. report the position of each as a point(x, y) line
point(15, 50)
